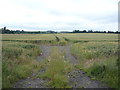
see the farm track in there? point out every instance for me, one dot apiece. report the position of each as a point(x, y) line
point(31, 82)
point(65, 49)
point(77, 78)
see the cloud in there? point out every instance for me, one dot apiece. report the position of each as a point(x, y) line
point(59, 14)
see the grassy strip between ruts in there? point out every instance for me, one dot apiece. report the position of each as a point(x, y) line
point(99, 60)
point(18, 61)
point(57, 69)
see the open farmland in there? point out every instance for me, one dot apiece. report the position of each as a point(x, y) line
point(60, 60)
point(90, 37)
point(28, 37)
point(82, 36)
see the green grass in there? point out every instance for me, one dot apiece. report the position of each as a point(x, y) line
point(99, 60)
point(57, 69)
point(28, 37)
point(105, 70)
point(97, 55)
point(18, 62)
point(89, 36)
point(63, 37)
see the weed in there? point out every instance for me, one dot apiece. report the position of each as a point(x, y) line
point(18, 62)
point(57, 70)
point(99, 60)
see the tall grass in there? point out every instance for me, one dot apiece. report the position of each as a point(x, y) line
point(18, 62)
point(57, 69)
point(99, 60)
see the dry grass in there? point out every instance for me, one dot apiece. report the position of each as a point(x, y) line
point(99, 60)
point(19, 61)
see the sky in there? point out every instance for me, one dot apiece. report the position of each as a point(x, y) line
point(59, 15)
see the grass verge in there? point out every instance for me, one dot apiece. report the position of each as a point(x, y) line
point(99, 60)
point(18, 62)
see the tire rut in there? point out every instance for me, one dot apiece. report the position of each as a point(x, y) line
point(45, 52)
point(31, 82)
point(68, 54)
point(47, 49)
point(77, 78)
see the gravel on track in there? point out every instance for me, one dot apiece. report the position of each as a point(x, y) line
point(77, 78)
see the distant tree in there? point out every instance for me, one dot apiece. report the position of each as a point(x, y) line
point(117, 32)
point(76, 31)
point(110, 32)
point(90, 31)
point(22, 30)
point(5, 31)
point(84, 31)
point(4, 28)
point(104, 31)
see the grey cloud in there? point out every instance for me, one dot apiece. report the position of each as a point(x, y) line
point(100, 18)
point(97, 18)
point(56, 13)
point(110, 18)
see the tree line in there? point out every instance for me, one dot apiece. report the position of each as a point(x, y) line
point(7, 31)
point(91, 31)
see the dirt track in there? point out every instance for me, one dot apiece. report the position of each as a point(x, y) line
point(77, 78)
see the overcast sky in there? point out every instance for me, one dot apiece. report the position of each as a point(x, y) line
point(59, 15)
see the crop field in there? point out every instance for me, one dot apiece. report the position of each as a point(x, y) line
point(60, 60)
point(28, 37)
point(90, 36)
point(82, 36)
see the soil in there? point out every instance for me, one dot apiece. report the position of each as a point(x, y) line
point(77, 78)
point(32, 82)
point(47, 49)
